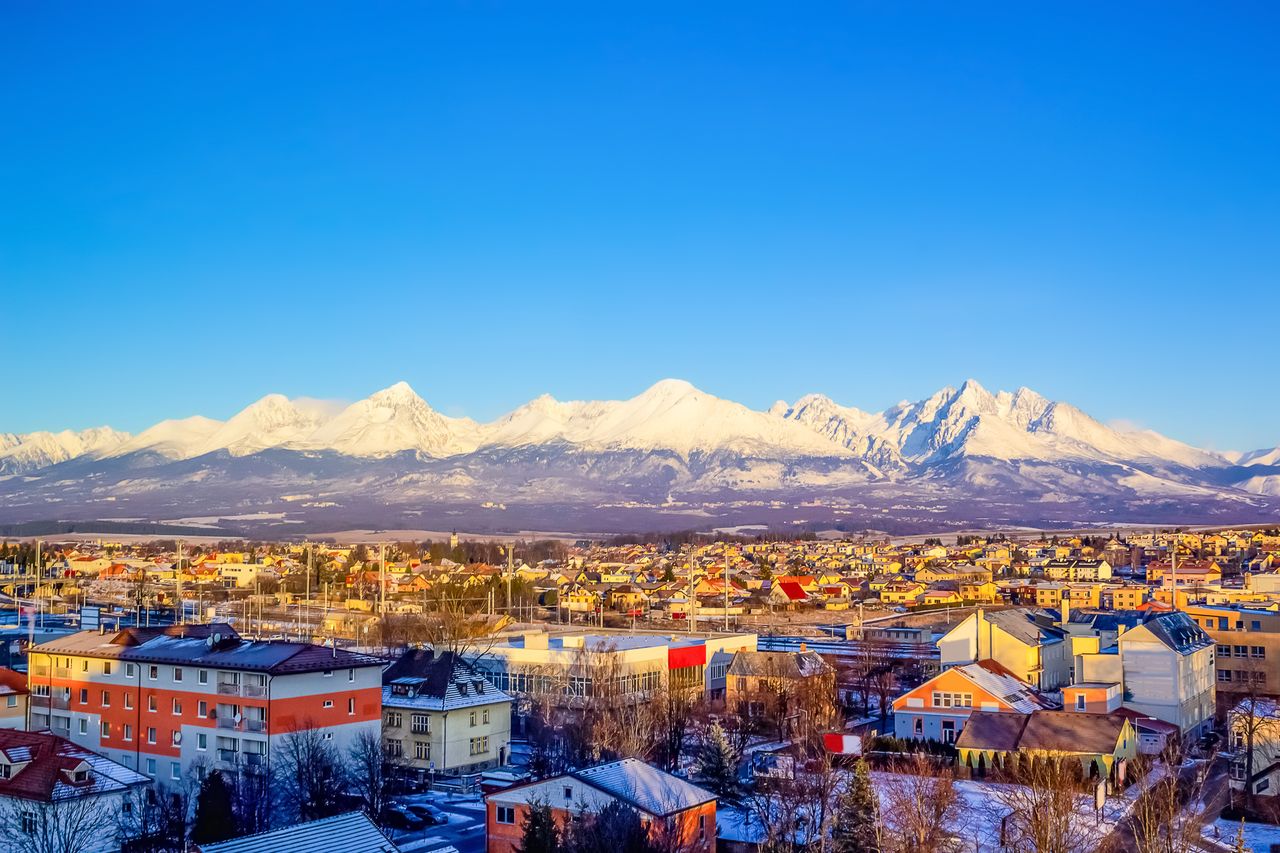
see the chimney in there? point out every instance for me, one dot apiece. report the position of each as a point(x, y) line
point(804, 647)
point(981, 628)
point(1066, 607)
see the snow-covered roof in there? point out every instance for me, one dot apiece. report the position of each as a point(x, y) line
point(352, 832)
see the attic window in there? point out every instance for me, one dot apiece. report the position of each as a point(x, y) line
point(6, 771)
point(479, 685)
point(80, 776)
point(462, 687)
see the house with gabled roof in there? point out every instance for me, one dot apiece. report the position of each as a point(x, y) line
point(940, 708)
point(677, 813)
point(1029, 643)
point(1103, 743)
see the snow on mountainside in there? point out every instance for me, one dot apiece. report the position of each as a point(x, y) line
point(394, 420)
point(273, 421)
point(1261, 457)
point(172, 439)
point(29, 452)
point(672, 415)
point(972, 422)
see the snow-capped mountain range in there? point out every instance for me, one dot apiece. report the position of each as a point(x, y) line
point(671, 455)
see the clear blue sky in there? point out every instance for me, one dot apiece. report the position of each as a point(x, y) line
point(203, 203)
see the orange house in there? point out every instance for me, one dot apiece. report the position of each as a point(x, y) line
point(679, 813)
point(939, 708)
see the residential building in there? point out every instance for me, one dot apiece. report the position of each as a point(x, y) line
point(1253, 738)
point(441, 716)
point(173, 701)
point(939, 708)
point(678, 814)
point(757, 683)
point(1077, 570)
point(14, 699)
point(1028, 643)
point(1248, 649)
point(48, 779)
point(1103, 743)
point(1163, 663)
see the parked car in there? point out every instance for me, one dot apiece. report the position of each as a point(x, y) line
point(428, 813)
point(398, 817)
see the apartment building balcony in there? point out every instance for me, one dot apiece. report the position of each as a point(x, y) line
point(227, 689)
point(61, 672)
point(253, 759)
point(228, 723)
point(255, 725)
point(253, 691)
point(61, 703)
point(228, 756)
point(41, 670)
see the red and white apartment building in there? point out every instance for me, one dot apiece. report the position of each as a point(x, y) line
point(184, 699)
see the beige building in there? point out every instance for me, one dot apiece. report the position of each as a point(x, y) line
point(440, 716)
point(14, 699)
point(1027, 643)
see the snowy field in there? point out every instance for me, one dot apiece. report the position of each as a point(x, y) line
point(1258, 837)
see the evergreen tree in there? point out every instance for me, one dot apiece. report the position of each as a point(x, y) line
point(215, 818)
point(539, 833)
point(856, 814)
point(616, 829)
point(717, 761)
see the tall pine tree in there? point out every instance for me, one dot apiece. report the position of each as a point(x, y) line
point(539, 831)
point(718, 762)
point(857, 814)
point(215, 818)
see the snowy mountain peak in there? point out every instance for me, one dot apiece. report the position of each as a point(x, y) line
point(399, 392)
point(28, 452)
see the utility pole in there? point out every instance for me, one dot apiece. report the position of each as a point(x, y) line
point(36, 595)
point(511, 562)
point(693, 601)
point(382, 578)
point(306, 600)
point(1173, 569)
point(177, 576)
point(726, 591)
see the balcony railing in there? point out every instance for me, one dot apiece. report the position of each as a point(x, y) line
point(40, 670)
point(227, 689)
point(255, 725)
point(253, 691)
point(228, 723)
point(62, 703)
point(253, 759)
point(61, 672)
point(228, 755)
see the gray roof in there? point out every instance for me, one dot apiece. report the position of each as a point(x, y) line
point(213, 646)
point(992, 730)
point(1052, 731)
point(645, 786)
point(352, 832)
point(804, 664)
point(1033, 627)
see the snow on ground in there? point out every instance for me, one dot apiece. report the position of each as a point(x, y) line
point(1259, 837)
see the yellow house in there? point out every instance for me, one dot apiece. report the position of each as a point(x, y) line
point(982, 591)
point(902, 592)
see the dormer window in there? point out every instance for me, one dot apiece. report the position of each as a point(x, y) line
point(6, 771)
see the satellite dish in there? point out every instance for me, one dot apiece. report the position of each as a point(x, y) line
point(177, 737)
point(238, 718)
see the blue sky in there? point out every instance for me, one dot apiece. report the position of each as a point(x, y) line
point(204, 203)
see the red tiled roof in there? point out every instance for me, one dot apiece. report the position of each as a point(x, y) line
point(12, 682)
point(792, 590)
point(44, 762)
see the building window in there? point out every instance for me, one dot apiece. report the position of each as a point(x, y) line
point(84, 725)
point(952, 700)
point(28, 822)
point(151, 767)
point(421, 750)
point(174, 738)
point(393, 719)
point(153, 673)
point(151, 734)
point(479, 746)
point(1258, 652)
point(395, 748)
point(175, 770)
point(328, 703)
point(106, 730)
point(128, 732)
point(473, 718)
point(351, 707)
point(202, 741)
point(177, 673)
point(128, 701)
point(106, 667)
point(151, 703)
point(351, 674)
point(84, 696)
point(1224, 675)
point(202, 676)
point(1242, 651)
point(1224, 651)
point(918, 727)
point(422, 724)
point(177, 707)
point(484, 716)
point(106, 699)
point(506, 814)
point(568, 792)
point(202, 709)
point(129, 670)
point(1079, 701)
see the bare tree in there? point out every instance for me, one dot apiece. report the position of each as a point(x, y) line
point(1253, 727)
point(369, 768)
point(1041, 808)
point(72, 825)
point(921, 807)
point(153, 819)
point(1161, 821)
point(309, 773)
